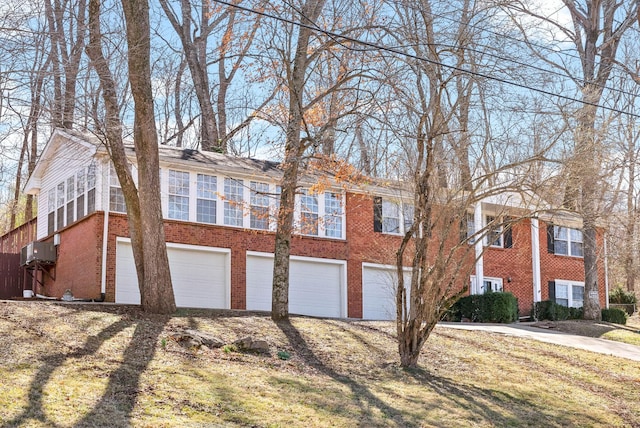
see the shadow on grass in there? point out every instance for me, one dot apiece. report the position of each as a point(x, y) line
point(117, 402)
point(364, 396)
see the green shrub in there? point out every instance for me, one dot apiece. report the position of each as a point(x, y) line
point(488, 307)
point(619, 296)
point(550, 310)
point(614, 315)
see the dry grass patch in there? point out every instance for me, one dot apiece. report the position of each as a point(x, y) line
point(83, 365)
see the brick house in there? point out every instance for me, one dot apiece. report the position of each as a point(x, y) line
point(220, 220)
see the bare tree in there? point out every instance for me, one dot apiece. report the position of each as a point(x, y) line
point(197, 24)
point(596, 32)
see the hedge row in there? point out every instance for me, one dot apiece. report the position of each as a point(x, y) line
point(488, 307)
point(549, 310)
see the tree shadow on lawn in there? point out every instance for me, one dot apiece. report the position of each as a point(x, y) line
point(486, 405)
point(118, 400)
point(476, 404)
point(361, 392)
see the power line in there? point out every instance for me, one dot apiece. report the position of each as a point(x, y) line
point(395, 51)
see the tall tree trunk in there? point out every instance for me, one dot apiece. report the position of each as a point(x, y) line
point(156, 291)
point(153, 281)
point(292, 158)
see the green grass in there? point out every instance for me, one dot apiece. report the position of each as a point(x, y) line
point(77, 365)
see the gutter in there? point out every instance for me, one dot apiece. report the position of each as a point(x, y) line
point(105, 244)
point(606, 273)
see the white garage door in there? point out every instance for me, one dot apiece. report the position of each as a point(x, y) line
point(379, 292)
point(316, 286)
point(200, 276)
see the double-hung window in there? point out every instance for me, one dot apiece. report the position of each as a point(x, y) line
point(333, 214)
point(91, 188)
point(259, 205)
point(116, 196)
point(80, 186)
point(567, 293)
point(233, 202)
point(391, 216)
point(565, 241)
point(494, 231)
point(60, 194)
point(71, 197)
point(51, 206)
point(308, 213)
point(178, 195)
point(207, 187)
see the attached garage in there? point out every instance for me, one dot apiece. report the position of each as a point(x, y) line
point(317, 287)
point(379, 284)
point(200, 275)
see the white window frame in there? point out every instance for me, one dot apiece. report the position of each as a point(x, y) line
point(179, 194)
point(116, 196)
point(569, 286)
point(496, 284)
point(403, 210)
point(259, 205)
point(309, 205)
point(491, 239)
point(333, 215)
point(570, 240)
point(234, 202)
point(206, 191)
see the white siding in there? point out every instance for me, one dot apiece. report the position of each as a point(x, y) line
point(66, 158)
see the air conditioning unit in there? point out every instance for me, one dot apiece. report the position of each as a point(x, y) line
point(42, 252)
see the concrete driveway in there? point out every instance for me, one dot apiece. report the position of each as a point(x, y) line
point(592, 344)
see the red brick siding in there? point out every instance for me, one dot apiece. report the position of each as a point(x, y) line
point(514, 263)
point(79, 264)
point(553, 266)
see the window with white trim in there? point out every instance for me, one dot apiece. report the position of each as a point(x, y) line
point(497, 231)
point(51, 207)
point(116, 196)
point(71, 198)
point(333, 214)
point(494, 231)
point(489, 285)
point(391, 216)
point(233, 201)
point(259, 205)
point(60, 195)
point(565, 241)
point(178, 195)
point(80, 197)
point(91, 188)
point(206, 200)
point(308, 213)
point(568, 293)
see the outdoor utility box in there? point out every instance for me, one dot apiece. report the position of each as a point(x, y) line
point(42, 252)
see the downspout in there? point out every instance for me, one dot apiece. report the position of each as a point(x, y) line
point(105, 244)
point(535, 260)
point(477, 226)
point(606, 273)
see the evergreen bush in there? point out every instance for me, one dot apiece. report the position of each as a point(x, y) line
point(488, 307)
point(614, 315)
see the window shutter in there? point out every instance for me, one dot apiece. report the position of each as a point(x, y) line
point(552, 291)
point(377, 214)
point(551, 247)
point(508, 234)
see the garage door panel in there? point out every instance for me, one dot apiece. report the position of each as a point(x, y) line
point(379, 292)
point(199, 276)
point(315, 286)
